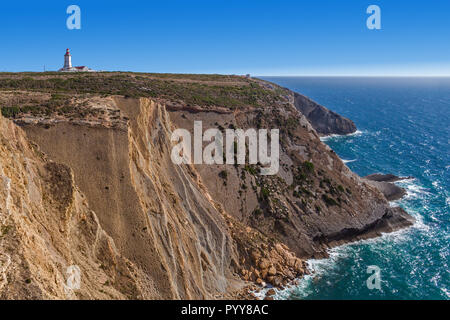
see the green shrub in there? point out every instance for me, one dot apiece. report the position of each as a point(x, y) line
point(10, 112)
point(223, 174)
point(4, 230)
point(250, 169)
point(57, 96)
point(265, 193)
point(306, 191)
point(257, 212)
point(308, 166)
point(329, 201)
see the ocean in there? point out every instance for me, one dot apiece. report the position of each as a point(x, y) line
point(403, 129)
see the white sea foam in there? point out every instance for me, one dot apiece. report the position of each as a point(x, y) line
point(419, 223)
point(319, 267)
point(413, 190)
point(303, 288)
point(357, 133)
point(348, 161)
point(260, 295)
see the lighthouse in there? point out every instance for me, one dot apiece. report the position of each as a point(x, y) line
point(67, 60)
point(68, 65)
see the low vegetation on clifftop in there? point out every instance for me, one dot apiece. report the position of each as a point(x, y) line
point(203, 90)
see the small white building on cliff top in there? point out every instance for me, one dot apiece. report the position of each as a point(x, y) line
point(68, 65)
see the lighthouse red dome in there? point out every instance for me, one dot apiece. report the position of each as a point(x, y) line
point(67, 52)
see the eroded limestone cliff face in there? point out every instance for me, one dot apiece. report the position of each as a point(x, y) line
point(47, 225)
point(141, 227)
point(105, 196)
point(160, 220)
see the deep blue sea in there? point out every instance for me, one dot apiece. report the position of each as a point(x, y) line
point(403, 128)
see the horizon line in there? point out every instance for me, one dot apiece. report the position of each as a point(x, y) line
point(358, 76)
point(271, 75)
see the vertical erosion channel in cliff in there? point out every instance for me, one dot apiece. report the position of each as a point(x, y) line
point(188, 232)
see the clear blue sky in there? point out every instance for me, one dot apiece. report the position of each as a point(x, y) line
point(278, 37)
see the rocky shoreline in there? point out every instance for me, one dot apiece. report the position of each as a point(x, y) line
point(395, 218)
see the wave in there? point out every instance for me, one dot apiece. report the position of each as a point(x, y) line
point(414, 191)
point(323, 267)
point(446, 292)
point(357, 133)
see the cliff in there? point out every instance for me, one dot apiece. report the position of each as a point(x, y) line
point(324, 121)
point(88, 181)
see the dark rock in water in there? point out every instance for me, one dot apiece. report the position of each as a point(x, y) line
point(394, 218)
point(385, 177)
point(324, 121)
point(384, 183)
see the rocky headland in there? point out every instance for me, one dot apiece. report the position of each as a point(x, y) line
point(323, 120)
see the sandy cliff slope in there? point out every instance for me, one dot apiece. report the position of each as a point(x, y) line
point(47, 226)
point(174, 246)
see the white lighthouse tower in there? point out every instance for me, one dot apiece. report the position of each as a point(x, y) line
point(68, 65)
point(67, 60)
